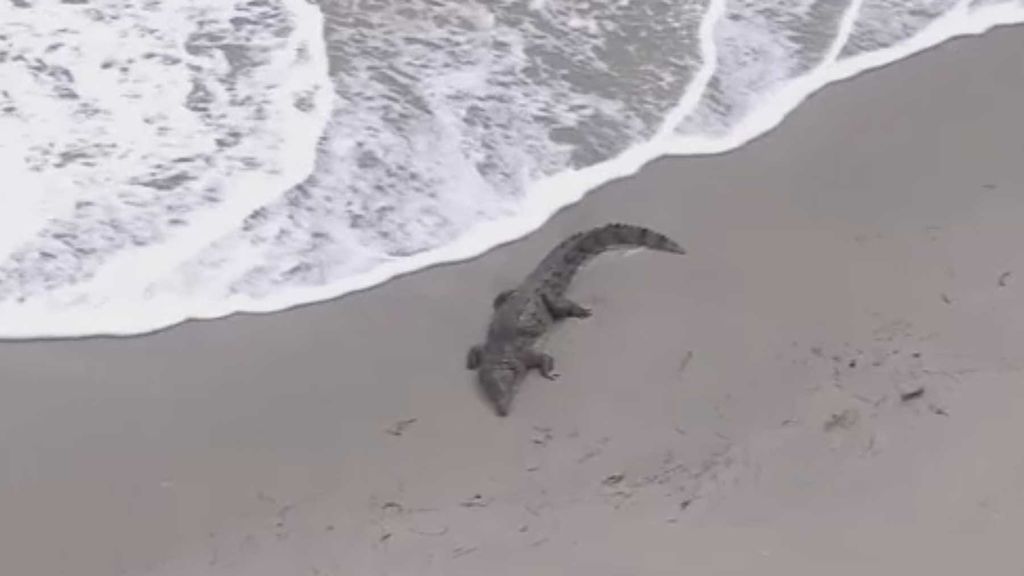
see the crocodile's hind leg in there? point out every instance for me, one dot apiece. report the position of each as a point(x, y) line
point(501, 297)
point(474, 357)
point(561, 307)
point(540, 361)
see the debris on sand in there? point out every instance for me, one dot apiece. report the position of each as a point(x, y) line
point(460, 552)
point(543, 435)
point(398, 428)
point(686, 361)
point(589, 454)
point(845, 420)
point(477, 501)
point(432, 533)
point(911, 393)
point(614, 480)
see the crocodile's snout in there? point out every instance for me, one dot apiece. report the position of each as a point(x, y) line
point(499, 384)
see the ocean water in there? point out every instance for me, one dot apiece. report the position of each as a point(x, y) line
point(167, 163)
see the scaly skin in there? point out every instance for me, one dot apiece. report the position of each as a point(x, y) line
point(523, 315)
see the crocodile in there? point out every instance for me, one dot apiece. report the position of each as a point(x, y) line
point(523, 314)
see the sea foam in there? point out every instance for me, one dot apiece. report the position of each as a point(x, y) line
point(166, 164)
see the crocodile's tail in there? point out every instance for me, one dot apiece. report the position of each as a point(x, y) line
point(563, 262)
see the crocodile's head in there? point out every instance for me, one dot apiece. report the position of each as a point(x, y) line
point(500, 381)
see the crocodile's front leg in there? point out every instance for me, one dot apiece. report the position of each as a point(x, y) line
point(474, 357)
point(540, 361)
point(502, 297)
point(561, 307)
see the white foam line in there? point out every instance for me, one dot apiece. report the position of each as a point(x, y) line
point(843, 31)
point(959, 21)
point(846, 25)
point(709, 65)
point(132, 271)
point(546, 198)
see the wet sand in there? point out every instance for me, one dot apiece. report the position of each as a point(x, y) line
point(829, 382)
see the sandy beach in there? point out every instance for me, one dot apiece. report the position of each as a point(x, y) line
point(830, 382)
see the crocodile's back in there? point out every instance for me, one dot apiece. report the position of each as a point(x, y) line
point(522, 316)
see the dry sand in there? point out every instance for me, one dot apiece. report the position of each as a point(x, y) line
point(734, 411)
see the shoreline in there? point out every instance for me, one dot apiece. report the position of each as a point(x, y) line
point(854, 254)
